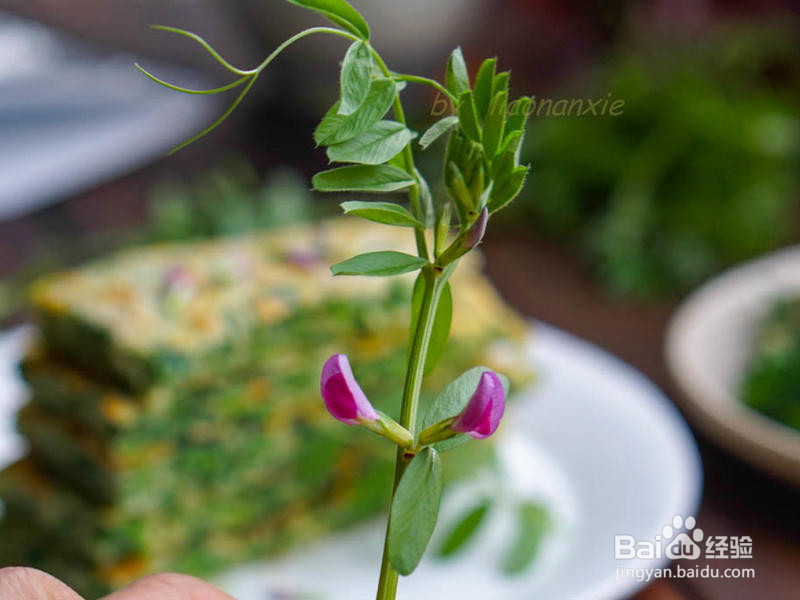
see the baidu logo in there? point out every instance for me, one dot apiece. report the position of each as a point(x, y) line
point(680, 539)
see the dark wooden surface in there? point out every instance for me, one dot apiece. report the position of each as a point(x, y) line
point(543, 281)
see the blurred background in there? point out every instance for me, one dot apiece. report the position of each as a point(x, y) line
point(622, 217)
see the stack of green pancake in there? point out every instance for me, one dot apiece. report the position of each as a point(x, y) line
point(175, 420)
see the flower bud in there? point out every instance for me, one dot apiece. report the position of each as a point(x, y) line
point(466, 241)
point(476, 185)
point(485, 409)
point(477, 231)
point(343, 396)
point(459, 191)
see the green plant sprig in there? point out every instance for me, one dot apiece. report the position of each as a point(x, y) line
point(482, 175)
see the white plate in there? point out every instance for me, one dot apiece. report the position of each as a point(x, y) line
point(593, 440)
point(709, 343)
point(71, 118)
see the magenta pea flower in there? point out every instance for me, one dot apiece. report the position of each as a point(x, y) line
point(482, 415)
point(343, 396)
point(347, 402)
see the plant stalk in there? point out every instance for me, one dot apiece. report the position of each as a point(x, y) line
point(408, 159)
point(434, 283)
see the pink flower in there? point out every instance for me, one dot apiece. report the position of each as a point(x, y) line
point(485, 409)
point(343, 397)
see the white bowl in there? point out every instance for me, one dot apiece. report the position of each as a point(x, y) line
point(709, 344)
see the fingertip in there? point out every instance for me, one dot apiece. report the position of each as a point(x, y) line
point(26, 583)
point(169, 586)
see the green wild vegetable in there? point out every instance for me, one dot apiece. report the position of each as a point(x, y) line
point(482, 175)
point(698, 172)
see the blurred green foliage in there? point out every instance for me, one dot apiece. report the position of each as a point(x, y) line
point(228, 200)
point(699, 172)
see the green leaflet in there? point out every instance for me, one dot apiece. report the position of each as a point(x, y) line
point(415, 509)
point(500, 83)
point(381, 212)
point(494, 124)
point(471, 157)
point(454, 149)
point(457, 187)
point(437, 130)
point(363, 178)
point(464, 530)
point(381, 142)
point(505, 192)
point(336, 128)
point(483, 86)
point(379, 264)
point(477, 185)
point(452, 400)
point(503, 167)
point(533, 522)
point(518, 115)
point(441, 321)
point(340, 12)
point(468, 118)
point(512, 143)
point(456, 77)
point(356, 77)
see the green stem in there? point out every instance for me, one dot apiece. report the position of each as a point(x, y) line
point(184, 90)
point(408, 159)
point(204, 44)
point(224, 116)
point(434, 284)
point(250, 76)
point(296, 37)
point(427, 81)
